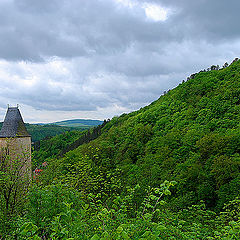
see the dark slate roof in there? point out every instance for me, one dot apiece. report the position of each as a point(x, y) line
point(13, 125)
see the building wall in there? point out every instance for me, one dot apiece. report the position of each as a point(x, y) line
point(17, 151)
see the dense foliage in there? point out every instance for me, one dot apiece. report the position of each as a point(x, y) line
point(57, 146)
point(190, 135)
point(167, 171)
point(39, 132)
point(51, 147)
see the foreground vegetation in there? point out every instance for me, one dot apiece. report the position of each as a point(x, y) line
point(167, 171)
point(59, 212)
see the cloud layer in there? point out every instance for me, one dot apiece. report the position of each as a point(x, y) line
point(99, 58)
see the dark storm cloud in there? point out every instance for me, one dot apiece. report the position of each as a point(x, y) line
point(33, 29)
point(212, 20)
point(91, 54)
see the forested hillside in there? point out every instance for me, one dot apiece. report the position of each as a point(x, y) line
point(170, 170)
point(190, 135)
point(39, 132)
point(57, 146)
point(82, 123)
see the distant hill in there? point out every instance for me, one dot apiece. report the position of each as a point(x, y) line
point(83, 123)
point(41, 131)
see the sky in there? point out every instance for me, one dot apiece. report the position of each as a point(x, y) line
point(66, 59)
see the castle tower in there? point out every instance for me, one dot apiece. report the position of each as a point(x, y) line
point(15, 142)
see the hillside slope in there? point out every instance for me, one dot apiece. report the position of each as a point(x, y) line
point(83, 123)
point(190, 135)
point(116, 186)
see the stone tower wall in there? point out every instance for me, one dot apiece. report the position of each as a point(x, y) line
point(18, 150)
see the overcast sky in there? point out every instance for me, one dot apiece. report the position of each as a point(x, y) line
point(64, 59)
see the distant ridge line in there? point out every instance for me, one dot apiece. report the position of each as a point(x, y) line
point(75, 123)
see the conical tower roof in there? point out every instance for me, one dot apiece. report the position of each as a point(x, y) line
point(13, 125)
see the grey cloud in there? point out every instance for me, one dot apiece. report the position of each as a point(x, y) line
point(32, 30)
point(113, 55)
point(37, 7)
point(35, 29)
point(212, 20)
